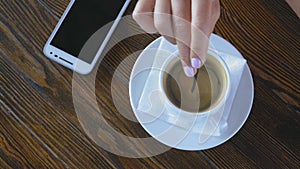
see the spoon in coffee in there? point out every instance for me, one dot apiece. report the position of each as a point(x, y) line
point(195, 81)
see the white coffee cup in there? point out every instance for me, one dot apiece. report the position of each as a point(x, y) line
point(216, 106)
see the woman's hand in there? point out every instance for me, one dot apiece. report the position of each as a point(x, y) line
point(187, 23)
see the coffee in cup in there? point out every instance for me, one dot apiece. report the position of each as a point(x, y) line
point(210, 88)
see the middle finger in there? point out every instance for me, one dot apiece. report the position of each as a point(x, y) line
point(181, 10)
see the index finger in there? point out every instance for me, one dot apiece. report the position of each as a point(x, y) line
point(181, 10)
point(204, 17)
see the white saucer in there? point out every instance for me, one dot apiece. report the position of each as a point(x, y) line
point(239, 111)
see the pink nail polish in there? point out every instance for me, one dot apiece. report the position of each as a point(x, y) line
point(189, 71)
point(196, 63)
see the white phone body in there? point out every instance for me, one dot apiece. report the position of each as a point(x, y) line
point(73, 62)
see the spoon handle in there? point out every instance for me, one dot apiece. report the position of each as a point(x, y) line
point(195, 81)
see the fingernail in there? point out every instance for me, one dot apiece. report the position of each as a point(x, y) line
point(196, 63)
point(189, 71)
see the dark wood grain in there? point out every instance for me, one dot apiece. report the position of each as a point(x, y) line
point(39, 127)
point(55, 115)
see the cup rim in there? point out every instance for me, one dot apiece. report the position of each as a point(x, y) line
point(169, 104)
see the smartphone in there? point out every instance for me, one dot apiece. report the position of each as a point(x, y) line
point(80, 21)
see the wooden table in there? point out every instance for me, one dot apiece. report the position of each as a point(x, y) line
point(39, 127)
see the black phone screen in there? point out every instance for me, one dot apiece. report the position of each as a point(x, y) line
point(83, 19)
